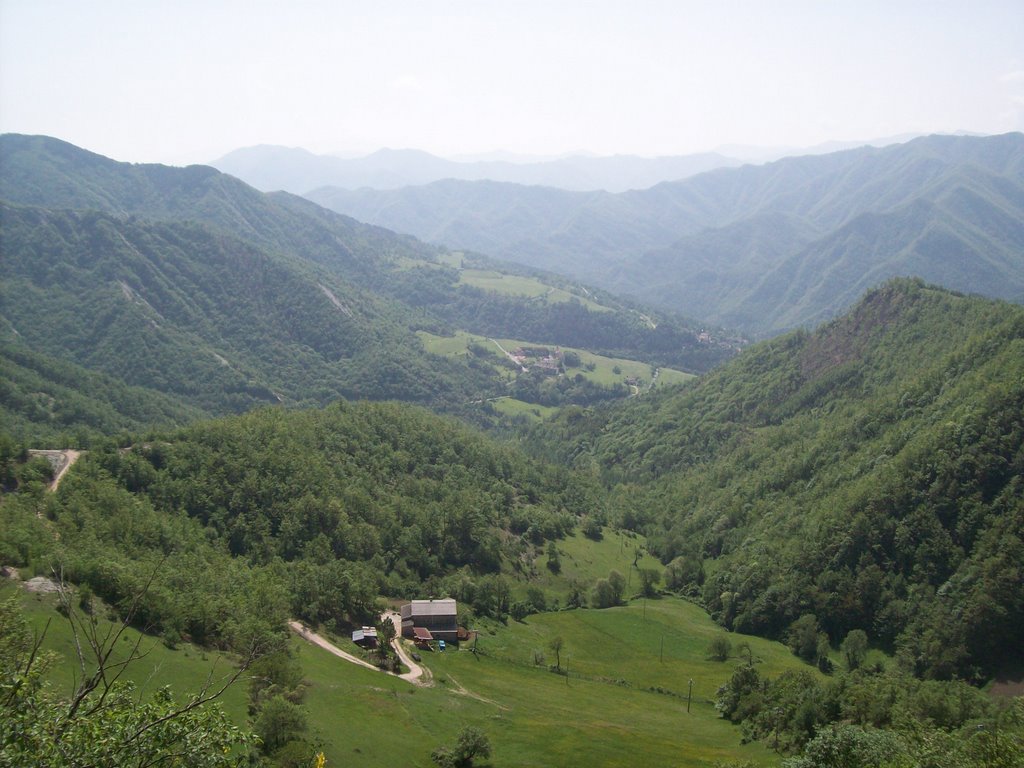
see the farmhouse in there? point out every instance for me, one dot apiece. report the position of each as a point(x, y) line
point(439, 617)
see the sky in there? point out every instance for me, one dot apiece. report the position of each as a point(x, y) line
point(188, 81)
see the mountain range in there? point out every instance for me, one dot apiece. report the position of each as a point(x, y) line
point(298, 170)
point(762, 248)
point(859, 481)
point(190, 283)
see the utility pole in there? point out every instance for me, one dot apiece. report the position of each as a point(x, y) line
point(662, 655)
point(689, 695)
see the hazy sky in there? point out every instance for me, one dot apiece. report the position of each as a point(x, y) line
point(188, 81)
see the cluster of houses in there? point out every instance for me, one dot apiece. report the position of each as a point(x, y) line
point(542, 358)
point(423, 622)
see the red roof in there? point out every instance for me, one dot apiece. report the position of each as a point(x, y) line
point(422, 633)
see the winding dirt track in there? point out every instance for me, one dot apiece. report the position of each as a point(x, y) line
point(312, 637)
point(416, 675)
point(60, 460)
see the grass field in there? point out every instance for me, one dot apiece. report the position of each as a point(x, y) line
point(186, 669)
point(586, 561)
point(532, 411)
point(602, 713)
point(604, 368)
point(623, 701)
point(518, 285)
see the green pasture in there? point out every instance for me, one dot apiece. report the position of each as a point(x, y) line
point(186, 669)
point(519, 285)
point(584, 560)
point(604, 368)
point(604, 712)
point(452, 345)
point(509, 406)
point(625, 693)
point(451, 259)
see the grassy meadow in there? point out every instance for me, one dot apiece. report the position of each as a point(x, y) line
point(187, 669)
point(605, 371)
point(624, 692)
point(519, 285)
point(605, 711)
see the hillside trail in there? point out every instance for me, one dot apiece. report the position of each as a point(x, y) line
point(312, 637)
point(417, 675)
point(61, 462)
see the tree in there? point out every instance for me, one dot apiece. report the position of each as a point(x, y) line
point(535, 600)
point(472, 744)
point(592, 529)
point(554, 561)
point(743, 649)
point(850, 746)
point(649, 578)
point(719, 648)
point(385, 635)
point(577, 597)
point(104, 723)
point(803, 637)
point(604, 596)
point(617, 582)
point(744, 681)
point(854, 648)
point(279, 723)
point(822, 658)
point(556, 644)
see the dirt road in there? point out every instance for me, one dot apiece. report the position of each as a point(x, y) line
point(61, 462)
point(312, 637)
point(416, 675)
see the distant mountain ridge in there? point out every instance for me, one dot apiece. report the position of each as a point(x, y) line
point(272, 168)
point(733, 244)
point(189, 283)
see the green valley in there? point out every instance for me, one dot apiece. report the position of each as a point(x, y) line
point(290, 416)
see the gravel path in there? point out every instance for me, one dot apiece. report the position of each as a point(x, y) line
point(416, 675)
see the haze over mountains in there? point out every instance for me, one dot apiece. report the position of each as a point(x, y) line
point(762, 248)
point(273, 168)
point(292, 169)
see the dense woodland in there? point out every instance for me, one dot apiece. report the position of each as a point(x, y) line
point(867, 475)
point(332, 507)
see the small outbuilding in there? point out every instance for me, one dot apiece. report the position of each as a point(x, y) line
point(439, 617)
point(422, 638)
point(365, 637)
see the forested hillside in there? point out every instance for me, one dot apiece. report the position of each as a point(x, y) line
point(189, 283)
point(182, 309)
point(358, 500)
point(48, 401)
point(867, 475)
point(763, 248)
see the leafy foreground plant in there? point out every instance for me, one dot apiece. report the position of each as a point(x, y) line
point(104, 723)
point(472, 743)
